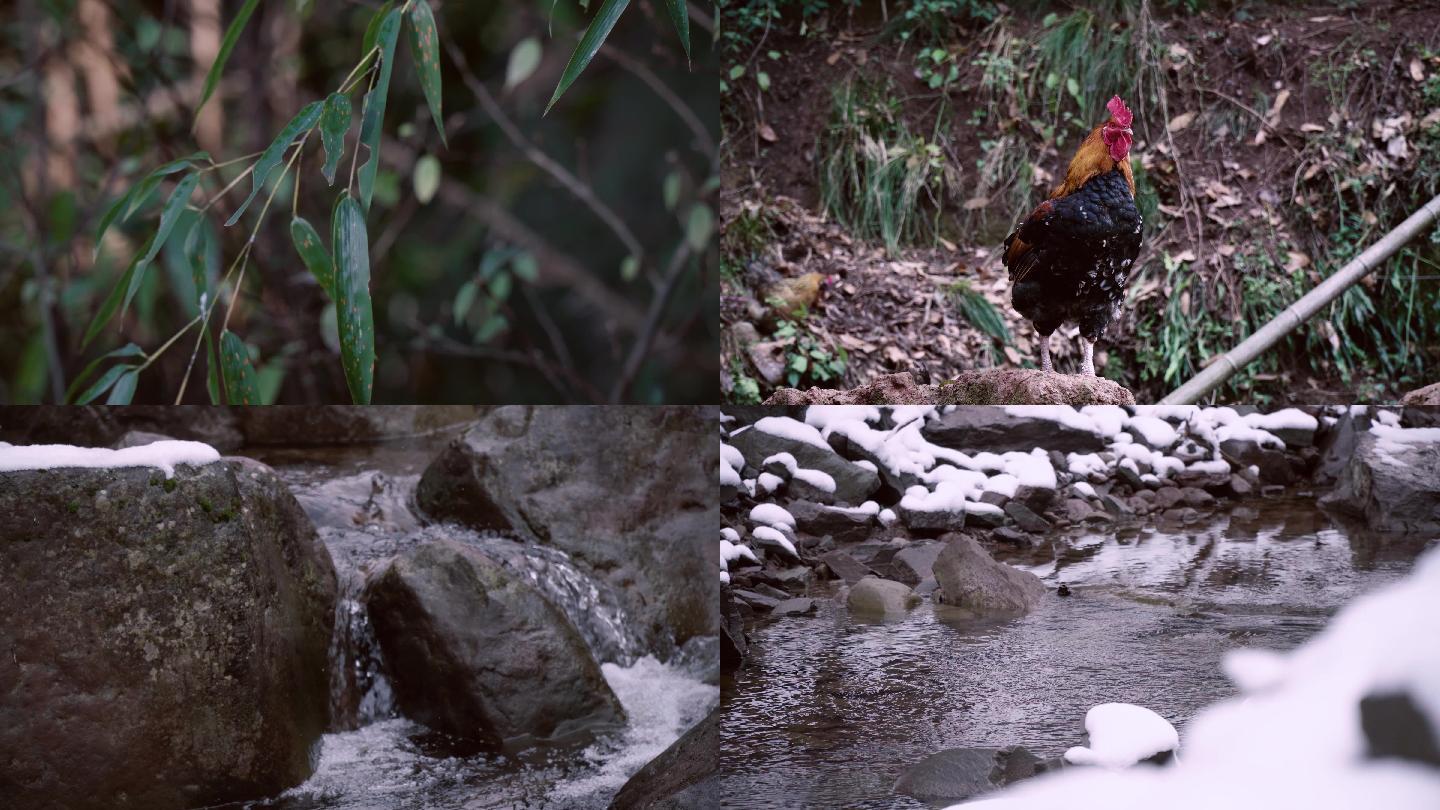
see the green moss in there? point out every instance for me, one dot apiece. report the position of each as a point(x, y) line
point(170, 484)
point(73, 507)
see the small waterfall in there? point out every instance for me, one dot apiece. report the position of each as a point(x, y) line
point(360, 692)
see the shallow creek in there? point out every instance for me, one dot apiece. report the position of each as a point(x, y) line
point(829, 710)
point(361, 500)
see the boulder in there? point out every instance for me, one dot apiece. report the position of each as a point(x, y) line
point(960, 773)
point(843, 525)
point(1392, 486)
point(687, 762)
point(873, 595)
point(1274, 464)
point(938, 520)
point(1427, 397)
point(845, 567)
point(999, 430)
point(996, 386)
point(476, 652)
point(971, 580)
point(628, 493)
point(914, 564)
point(1396, 727)
point(165, 639)
point(349, 424)
point(766, 437)
point(755, 600)
point(1337, 444)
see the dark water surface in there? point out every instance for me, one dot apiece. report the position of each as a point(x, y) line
point(828, 711)
point(361, 499)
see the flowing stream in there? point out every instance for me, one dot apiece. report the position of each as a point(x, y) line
point(361, 500)
point(828, 710)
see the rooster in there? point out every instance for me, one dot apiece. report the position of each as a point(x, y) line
point(1070, 259)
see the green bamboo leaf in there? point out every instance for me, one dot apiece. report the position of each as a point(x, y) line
point(117, 294)
point(464, 300)
point(374, 109)
point(352, 298)
point(232, 35)
point(303, 121)
point(524, 58)
point(240, 388)
point(174, 207)
point(425, 50)
point(334, 123)
point(200, 248)
point(106, 381)
point(312, 250)
point(126, 205)
point(372, 30)
point(699, 227)
point(681, 19)
point(590, 43)
point(124, 389)
point(426, 178)
point(128, 350)
point(212, 370)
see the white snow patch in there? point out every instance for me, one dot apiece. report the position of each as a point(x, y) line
point(887, 517)
point(822, 417)
point(1084, 489)
point(818, 479)
point(769, 533)
point(1003, 484)
point(795, 431)
point(768, 482)
point(1122, 734)
point(1109, 420)
point(164, 455)
point(772, 515)
point(731, 457)
point(1287, 419)
point(1153, 431)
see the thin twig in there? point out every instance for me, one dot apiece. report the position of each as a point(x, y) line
point(543, 161)
point(641, 347)
point(687, 115)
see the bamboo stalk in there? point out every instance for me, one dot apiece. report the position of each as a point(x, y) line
point(1301, 311)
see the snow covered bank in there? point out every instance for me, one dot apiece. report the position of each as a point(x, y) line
point(164, 455)
point(1303, 735)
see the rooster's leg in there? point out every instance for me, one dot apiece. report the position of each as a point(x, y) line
point(1087, 361)
point(1044, 352)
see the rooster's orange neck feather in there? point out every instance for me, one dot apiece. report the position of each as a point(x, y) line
point(1091, 160)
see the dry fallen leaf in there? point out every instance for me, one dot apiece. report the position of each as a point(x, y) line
point(1272, 118)
point(1226, 250)
point(1262, 41)
point(1417, 70)
point(1296, 261)
point(976, 202)
point(1309, 127)
point(767, 134)
point(947, 244)
point(832, 58)
point(1430, 120)
point(1181, 121)
point(1184, 256)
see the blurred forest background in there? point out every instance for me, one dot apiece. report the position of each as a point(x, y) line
point(876, 155)
point(559, 258)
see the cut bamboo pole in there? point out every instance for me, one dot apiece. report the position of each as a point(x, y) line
point(1301, 311)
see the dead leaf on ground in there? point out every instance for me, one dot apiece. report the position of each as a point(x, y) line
point(1272, 118)
point(767, 134)
point(894, 355)
point(832, 58)
point(1181, 121)
point(976, 202)
point(1417, 70)
point(1296, 261)
point(1430, 119)
point(1264, 39)
point(1309, 127)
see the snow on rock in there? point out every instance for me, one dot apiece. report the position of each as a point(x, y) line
point(794, 430)
point(821, 418)
point(1002, 484)
point(1153, 431)
point(1295, 739)
point(770, 514)
point(1084, 489)
point(1123, 734)
point(948, 496)
point(1108, 420)
point(815, 478)
point(1086, 464)
point(164, 455)
point(731, 457)
point(730, 534)
point(768, 482)
point(730, 552)
point(887, 517)
point(1241, 432)
point(767, 535)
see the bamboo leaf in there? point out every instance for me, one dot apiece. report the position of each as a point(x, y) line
point(426, 178)
point(200, 247)
point(681, 19)
point(232, 35)
point(372, 30)
point(425, 50)
point(312, 250)
point(128, 350)
point(590, 43)
point(240, 388)
point(102, 385)
point(464, 300)
point(117, 294)
point(352, 298)
point(124, 389)
point(524, 58)
point(126, 205)
point(275, 152)
point(334, 123)
point(374, 114)
point(174, 207)
point(212, 369)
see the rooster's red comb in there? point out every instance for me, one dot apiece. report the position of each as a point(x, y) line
point(1120, 112)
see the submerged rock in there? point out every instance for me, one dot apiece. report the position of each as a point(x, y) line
point(676, 770)
point(877, 596)
point(960, 773)
point(1391, 483)
point(475, 652)
point(970, 579)
point(165, 639)
point(628, 493)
